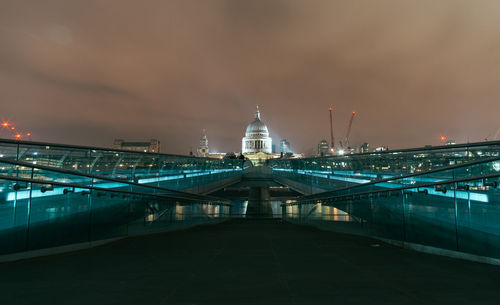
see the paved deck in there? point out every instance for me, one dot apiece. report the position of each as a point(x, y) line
point(248, 262)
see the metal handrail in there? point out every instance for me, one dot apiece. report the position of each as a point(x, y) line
point(72, 146)
point(93, 176)
point(441, 169)
point(72, 185)
point(301, 200)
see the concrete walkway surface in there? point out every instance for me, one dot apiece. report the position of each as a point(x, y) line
point(248, 262)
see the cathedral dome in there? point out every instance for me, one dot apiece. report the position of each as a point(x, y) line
point(257, 126)
point(257, 137)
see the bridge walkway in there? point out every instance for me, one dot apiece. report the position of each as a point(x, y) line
point(248, 262)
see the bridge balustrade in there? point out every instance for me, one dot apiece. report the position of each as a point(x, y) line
point(334, 172)
point(43, 207)
point(456, 208)
point(162, 170)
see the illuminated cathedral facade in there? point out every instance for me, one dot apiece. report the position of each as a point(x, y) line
point(256, 138)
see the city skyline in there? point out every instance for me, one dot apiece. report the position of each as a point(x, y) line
point(412, 71)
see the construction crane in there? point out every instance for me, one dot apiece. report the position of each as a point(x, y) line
point(345, 143)
point(332, 140)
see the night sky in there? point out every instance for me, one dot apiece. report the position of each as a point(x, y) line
point(86, 72)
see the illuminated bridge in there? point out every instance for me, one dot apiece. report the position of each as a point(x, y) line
point(338, 229)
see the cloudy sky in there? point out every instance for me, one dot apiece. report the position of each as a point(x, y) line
point(86, 72)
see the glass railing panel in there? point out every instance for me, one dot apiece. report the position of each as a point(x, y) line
point(327, 214)
point(483, 168)
point(330, 213)
point(459, 216)
point(14, 170)
point(53, 207)
point(104, 162)
point(384, 164)
point(40, 155)
point(430, 218)
point(415, 180)
point(358, 183)
point(293, 212)
point(478, 217)
point(78, 159)
point(478, 169)
point(146, 166)
point(382, 213)
point(64, 158)
point(55, 176)
point(110, 214)
point(123, 165)
point(13, 216)
point(430, 208)
point(151, 215)
point(145, 189)
point(57, 217)
point(112, 164)
point(170, 165)
point(8, 169)
point(9, 151)
point(111, 184)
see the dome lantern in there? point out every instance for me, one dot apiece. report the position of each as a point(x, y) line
point(257, 113)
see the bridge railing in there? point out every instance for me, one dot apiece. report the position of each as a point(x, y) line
point(163, 170)
point(475, 168)
point(336, 172)
point(460, 214)
point(43, 207)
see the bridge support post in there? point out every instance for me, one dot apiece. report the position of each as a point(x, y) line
point(259, 203)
